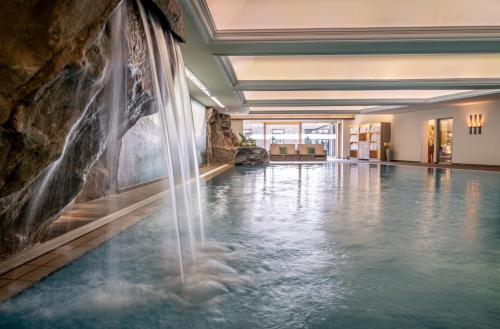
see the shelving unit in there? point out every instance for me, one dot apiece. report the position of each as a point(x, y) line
point(366, 142)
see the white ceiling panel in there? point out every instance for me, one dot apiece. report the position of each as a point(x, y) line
point(366, 67)
point(335, 14)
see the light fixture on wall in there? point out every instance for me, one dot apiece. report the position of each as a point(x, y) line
point(475, 124)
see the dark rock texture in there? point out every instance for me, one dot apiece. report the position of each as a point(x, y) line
point(53, 62)
point(43, 45)
point(221, 141)
point(39, 39)
point(251, 156)
point(171, 11)
point(102, 179)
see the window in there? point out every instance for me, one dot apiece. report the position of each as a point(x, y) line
point(254, 130)
point(320, 133)
point(267, 133)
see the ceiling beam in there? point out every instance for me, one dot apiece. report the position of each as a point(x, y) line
point(396, 84)
point(291, 111)
point(332, 102)
point(291, 117)
point(369, 102)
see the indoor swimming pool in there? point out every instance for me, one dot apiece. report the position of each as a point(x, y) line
point(334, 245)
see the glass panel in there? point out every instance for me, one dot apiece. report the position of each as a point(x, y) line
point(282, 133)
point(254, 130)
point(292, 133)
point(320, 133)
point(200, 130)
point(445, 140)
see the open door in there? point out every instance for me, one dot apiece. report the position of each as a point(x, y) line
point(445, 142)
point(431, 145)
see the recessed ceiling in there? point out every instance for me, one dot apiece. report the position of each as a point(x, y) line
point(347, 94)
point(329, 57)
point(366, 67)
point(334, 14)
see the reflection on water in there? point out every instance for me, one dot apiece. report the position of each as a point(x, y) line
point(298, 246)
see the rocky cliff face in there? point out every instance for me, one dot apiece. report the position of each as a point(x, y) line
point(53, 62)
point(222, 143)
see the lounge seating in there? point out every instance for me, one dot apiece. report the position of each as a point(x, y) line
point(305, 152)
point(283, 152)
point(311, 152)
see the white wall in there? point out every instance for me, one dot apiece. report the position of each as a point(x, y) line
point(470, 149)
point(408, 132)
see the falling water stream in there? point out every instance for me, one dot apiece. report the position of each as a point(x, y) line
point(173, 104)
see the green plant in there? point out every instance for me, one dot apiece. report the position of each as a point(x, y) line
point(247, 141)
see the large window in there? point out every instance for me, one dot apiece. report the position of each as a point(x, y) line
point(320, 133)
point(282, 133)
point(254, 130)
point(305, 132)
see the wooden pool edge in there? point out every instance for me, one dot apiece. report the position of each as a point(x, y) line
point(28, 267)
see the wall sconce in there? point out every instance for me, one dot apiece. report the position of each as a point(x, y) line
point(475, 124)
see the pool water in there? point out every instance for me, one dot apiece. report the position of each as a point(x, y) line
point(297, 246)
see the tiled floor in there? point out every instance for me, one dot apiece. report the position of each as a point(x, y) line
point(29, 267)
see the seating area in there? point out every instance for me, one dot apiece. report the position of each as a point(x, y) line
point(303, 152)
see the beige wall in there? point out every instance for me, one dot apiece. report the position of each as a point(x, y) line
point(237, 127)
point(344, 138)
point(408, 132)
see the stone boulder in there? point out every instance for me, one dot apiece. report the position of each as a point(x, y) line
point(221, 141)
point(251, 156)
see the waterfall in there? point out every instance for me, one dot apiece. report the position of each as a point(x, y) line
point(115, 90)
point(113, 84)
point(107, 102)
point(174, 106)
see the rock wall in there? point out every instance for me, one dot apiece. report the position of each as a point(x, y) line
point(222, 143)
point(53, 61)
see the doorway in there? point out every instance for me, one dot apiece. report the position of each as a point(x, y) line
point(431, 131)
point(445, 142)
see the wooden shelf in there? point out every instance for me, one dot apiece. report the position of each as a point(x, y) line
point(367, 141)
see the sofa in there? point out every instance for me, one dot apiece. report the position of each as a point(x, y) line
point(305, 152)
point(311, 152)
point(283, 152)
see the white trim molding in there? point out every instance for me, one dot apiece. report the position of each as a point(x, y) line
point(200, 13)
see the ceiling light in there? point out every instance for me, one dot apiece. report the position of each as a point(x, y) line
point(197, 82)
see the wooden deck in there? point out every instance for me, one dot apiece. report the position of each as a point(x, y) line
point(78, 214)
point(81, 228)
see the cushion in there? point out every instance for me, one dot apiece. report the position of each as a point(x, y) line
point(282, 149)
point(311, 150)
